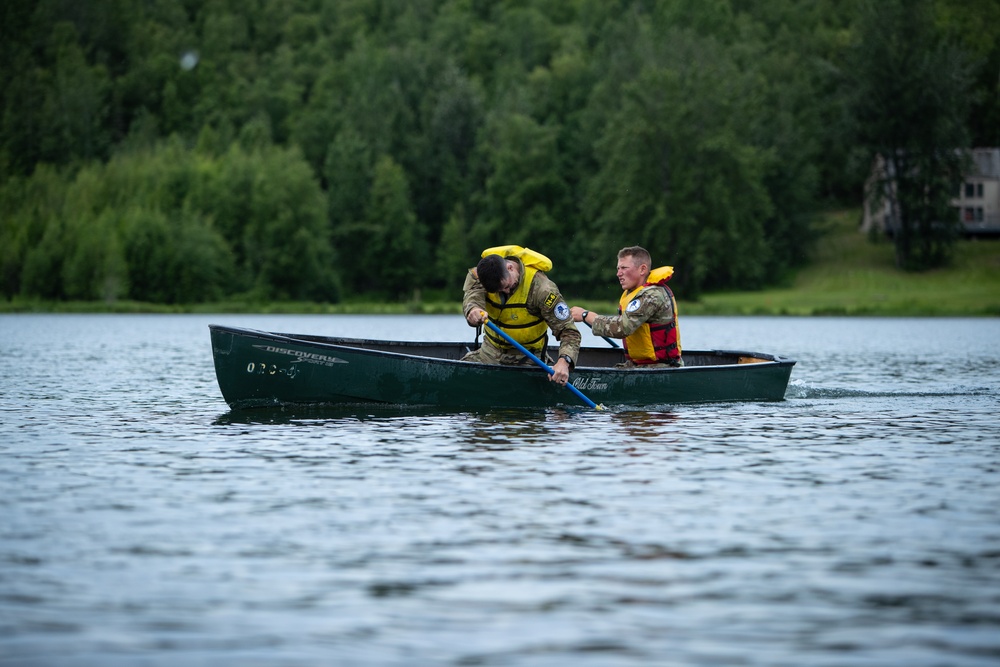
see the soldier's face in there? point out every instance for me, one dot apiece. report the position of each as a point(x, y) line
point(509, 284)
point(630, 273)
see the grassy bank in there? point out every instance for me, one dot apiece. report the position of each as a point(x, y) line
point(850, 275)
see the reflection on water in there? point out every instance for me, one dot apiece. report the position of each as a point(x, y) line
point(853, 523)
point(644, 425)
point(322, 413)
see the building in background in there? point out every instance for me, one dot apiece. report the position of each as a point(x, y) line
point(976, 204)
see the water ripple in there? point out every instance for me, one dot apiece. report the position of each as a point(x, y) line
point(854, 523)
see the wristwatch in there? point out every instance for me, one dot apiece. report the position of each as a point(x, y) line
point(569, 360)
point(583, 317)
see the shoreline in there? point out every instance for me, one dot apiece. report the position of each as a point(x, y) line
point(848, 275)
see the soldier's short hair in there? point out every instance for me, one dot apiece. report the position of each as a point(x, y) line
point(637, 253)
point(491, 271)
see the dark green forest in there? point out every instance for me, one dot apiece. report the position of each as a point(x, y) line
point(179, 151)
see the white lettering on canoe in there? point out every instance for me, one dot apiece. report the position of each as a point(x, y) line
point(590, 384)
point(255, 368)
point(310, 357)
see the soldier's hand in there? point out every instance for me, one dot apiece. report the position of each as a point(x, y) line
point(475, 317)
point(561, 374)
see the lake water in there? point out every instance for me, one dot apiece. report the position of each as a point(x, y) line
point(142, 522)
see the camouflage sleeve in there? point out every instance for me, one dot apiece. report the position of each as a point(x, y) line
point(545, 301)
point(652, 305)
point(474, 293)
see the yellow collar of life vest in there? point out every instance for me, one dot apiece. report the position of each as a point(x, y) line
point(655, 277)
point(528, 257)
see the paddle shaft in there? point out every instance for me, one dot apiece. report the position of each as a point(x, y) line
point(542, 364)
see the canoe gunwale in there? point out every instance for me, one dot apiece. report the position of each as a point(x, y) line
point(371, 346)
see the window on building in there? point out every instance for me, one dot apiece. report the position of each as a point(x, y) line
point(970, 190)
point(979, 190)
point(969, 214)
point(979, 214)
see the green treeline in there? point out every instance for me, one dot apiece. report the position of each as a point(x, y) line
point(180, 151)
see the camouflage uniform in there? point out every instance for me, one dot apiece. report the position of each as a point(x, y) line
point(544, 301)
point(655, 307)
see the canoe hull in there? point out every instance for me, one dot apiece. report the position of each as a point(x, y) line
point(256, 369)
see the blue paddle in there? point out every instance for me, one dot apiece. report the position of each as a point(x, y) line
point(542, 364)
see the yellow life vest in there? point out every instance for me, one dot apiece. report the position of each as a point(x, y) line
point(657, 343)
point(527, 256)
point(512, 315)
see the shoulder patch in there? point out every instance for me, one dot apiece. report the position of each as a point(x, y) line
point(633, 306)
point(562, 310)
point(551, 299)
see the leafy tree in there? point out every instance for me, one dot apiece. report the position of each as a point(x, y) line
point(348, 172)
point(525, 192)
point(285, 240)
point(454, 252)
point(22, 129)
point(679, 174)
point(43, 264)
point(75, 106)
point(30, 206)
point(149, 252)
point(94, 267)
point(398, 253)
point(909, 91)
point(202, 265)
point(182, 260)
point(975, 24)
point(445, 177)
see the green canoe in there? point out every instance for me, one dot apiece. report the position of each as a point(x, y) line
point(258, 369)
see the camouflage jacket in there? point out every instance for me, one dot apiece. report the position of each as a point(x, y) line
point(654, 307)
